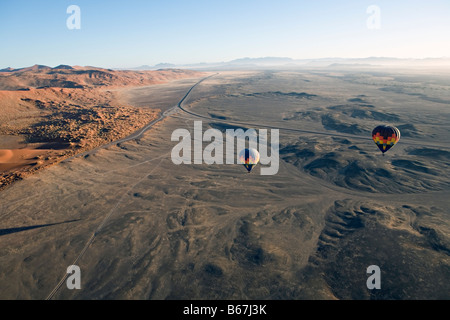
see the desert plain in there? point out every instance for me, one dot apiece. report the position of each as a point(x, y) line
point(141, 227)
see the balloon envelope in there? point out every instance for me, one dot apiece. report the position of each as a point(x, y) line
point(385, 137)
point(249, 158)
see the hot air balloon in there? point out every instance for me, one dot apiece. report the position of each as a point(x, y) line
point(249, 158)
point(385, 137)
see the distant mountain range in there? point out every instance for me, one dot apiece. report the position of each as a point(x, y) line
point(76, 77)
point(254, 64)
point(283, 62)
point(39, 67)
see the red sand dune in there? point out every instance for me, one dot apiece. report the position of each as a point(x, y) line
point(18, 158)
point(69, 106)
point(84, 77)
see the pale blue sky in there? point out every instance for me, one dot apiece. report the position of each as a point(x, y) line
point(132, 33)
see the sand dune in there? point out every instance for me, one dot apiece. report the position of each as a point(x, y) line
point(70, 109)
point(83, 77)
point(5, 155)
point(16, 156)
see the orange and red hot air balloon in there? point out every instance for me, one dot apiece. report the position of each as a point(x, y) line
point(385, 137)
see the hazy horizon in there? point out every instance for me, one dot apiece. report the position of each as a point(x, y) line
point(252, 59)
